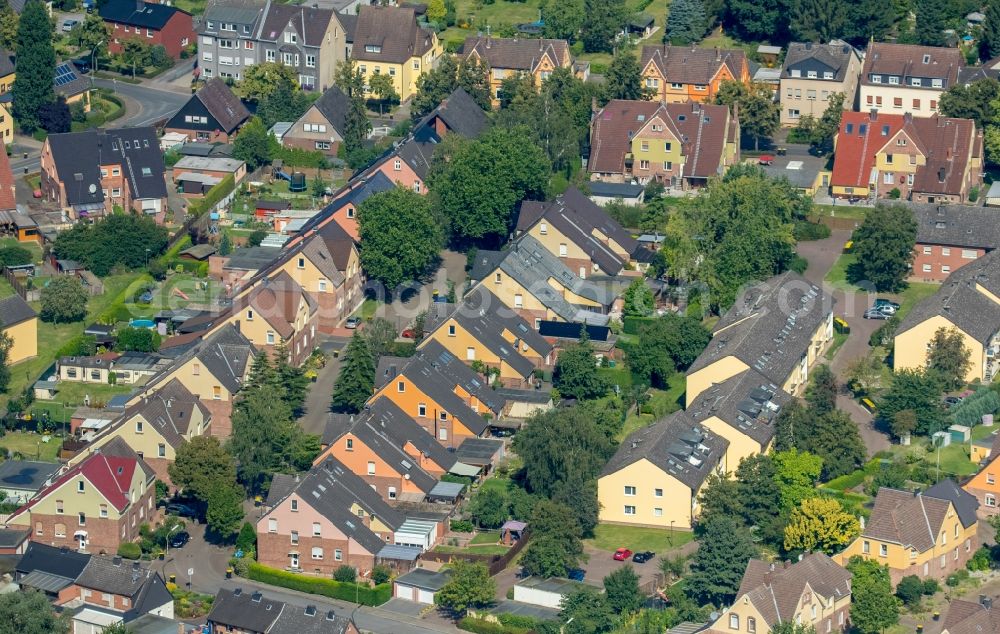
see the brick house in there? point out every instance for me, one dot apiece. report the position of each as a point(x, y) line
point(94, 506)
point(984, 485)
point(949, 237)
point(517, 57)
point(128, 588)
point(321, 127)
point(239, 612)
point(966, 617)
point(151, 23)
point(213, 114)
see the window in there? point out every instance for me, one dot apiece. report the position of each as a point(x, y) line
point(392, 493)
point(496, 278)
point(161, 450)
point(644, 146)
point(876, 79)
point(562, 250)
point(248, 45)
point(893, 80)
point(60, 530)
point(888, 159)
point(990, 478)
point(416, 187)
point(752, 622)
point(371, 468)
point(798, 93)
point(897, 102)
point(518, 301)
point(927, 268)
point(667, 146)
point(82, 519)
point(322, 286)
point(915, 81)
point(657, 512)
point(916, 104)
point(270, 337)
point(314, 127)
point(936, 83)
point(734, 621)
point(104, 510)
point(291, 38)
point(945, 268)
point(811, 95)
point(629, 510)
point(295, 504)
point(451, 330)
point(116, 192)
point(400, 386)
point(793, 113)
point(888, 178)
point(226, 44)
point(317, 553)
point(272, 525)
point(95, 375)
point(270, 56)
point(317, 530)
point(827, 74)
point(668, 165)
point(79, 486)
point(373, 48)
point(946, 251)
point(866, 547)
point(216, 392)
point(59, 507)
point(443, 433)
point(310, 61)
point(249, 315)
point(883, 550)
point(470, 354)
point(676, 86)
point(422, 410)
point(338, 554)
point(969, 254)
point(295, 537)
point(629, 490)
point(913, 158)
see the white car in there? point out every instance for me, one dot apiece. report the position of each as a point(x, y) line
point(69, 24)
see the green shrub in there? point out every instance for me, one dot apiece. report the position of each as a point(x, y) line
point(479, 626)
point(632, 325)
point(931, 586)
point(974, 193)
point(247, 539)
point(317, 585)
point(799, 264)
point(971, 410)
point(214, 195)
point(910, 589)
point(462, 526)
point(381, 574)
point(805, 230)
point(345, 574)
point(980, 561)
point(130, 550)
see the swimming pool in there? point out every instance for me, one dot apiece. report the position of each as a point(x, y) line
point(142, 323)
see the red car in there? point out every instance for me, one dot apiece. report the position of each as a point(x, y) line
point(622, 554)
point(408, 334)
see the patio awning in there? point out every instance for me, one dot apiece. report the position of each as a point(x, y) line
point(399, 553)
point(462, 469)
point(44, 581)
point(446, 490)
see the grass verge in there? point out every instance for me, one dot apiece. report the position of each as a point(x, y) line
point(609, 537)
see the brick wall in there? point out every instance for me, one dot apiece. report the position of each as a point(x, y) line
point(273, 550)
point(934, 568)
point(221, 413)
point(984, 511)
point(940, 256)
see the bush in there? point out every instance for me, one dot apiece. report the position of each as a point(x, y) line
point(247, 539)
point(956, 578)
point(213, 196)
point(971, 410)
point(799, 264)
point(317, 585)
point(632, 325)
point(974, 193)
point(894, 193)
point(931, 586)
point(345, 574)
point(480, 626)
point(381, 574)
point(14, 256)
point(910, 590)
point(981, 561)
point(130, 550)
point(462, 526)
point(805, 230)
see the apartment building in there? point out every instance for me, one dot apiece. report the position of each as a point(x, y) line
point(898, 78)
point(813, 73)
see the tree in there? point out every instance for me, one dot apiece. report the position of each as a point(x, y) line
point(356, 380)
point(624, 77)
point(973, 101)
point(478, 188)
point(864, 374)
point(117, 628)
point(436, 11)
point(356, 124)
point(821, 393)
point(758, 491)
point(755, 21)
point(586, 611)
point(489, 508)
point(870, 20)
point(903, 423)
point(286, 102)
point(137, 339)
point(790, 627)
point(720, 497)
point(720, 561)
point(253, 144)
point(910, 590)
point(949, 357)
point(622, 590)
point(473, 77)
point(759, 113)
point(36, 63)
point(603, 20)
point(638, 299)
point(55, 117)
point(381, 86)
point(202, 465)
point(932, 19)
point(883, 247)
point(6, 343)
point(29, 612)
point(119, 240)
point(918, 391)
point(818, 20)
point(435, 85)
point(820, 524)
point(9, 22)
point(562, 19)
point(989, 39)
point(796, 473)
point(256, 237)
point(64, 300)
point(260, 80)
point(546, 557)
point(134, 53)
point(575, 374)
point(560, 445)
point(686, 22)
point(835, 437)
point(380, 333)
point(470, 586)
point(873, 606)
point(401, 237)
point(224, 512)
point(247, 538)
point(669, 343)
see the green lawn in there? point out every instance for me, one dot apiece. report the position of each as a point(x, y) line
point(491, 549)
point(914, 292)
point(665, 401)
point(31, 445)
point(485, 538)
point(72, 395)
point(838, 340)
point(609, 538)
point(499, 484)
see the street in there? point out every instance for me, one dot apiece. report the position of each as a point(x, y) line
point(145, 104)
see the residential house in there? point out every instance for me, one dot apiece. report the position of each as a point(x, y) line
point(448, 399)
point(780, 328)
point(330, 519)
point(483, 329)
point(71, 85)
point(930, 534)
point(581, 233)
point(458, 113)
point(196, 175)
point(390, 40)
point(681, 145)
point(214, 370)
point(949, 237)
point(983, 486)
point(245, 613)
point(156, 425)
point(129, 589)
point(342, 211)
point(901, 78)
point(322, 126)
point(966, 302)
point(924, 159)
point(212, 114)
point(814, 591)
point(517, 57)
point(811, 74)
point(13, 222)
point(94, 506)
point(658, 472)
point(51, 570)
point(20, 480)
point(151, 23)
point(676, 74)
point(7, 75)
point(135, 368)
point(19, 321)
point(313, 267)
point(966, 617)
point(743, 410)
point(89, 173)
point(238, 269)
point(537, 285)
point(92, 369)
point(235, 35)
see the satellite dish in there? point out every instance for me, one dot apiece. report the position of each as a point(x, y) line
point(92, 188)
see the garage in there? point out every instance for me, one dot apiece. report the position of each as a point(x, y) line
point(420, 585)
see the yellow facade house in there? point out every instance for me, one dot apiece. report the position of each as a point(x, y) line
point(656, 475)
point(930, 534)
point(388, 40)
point(814, 591)
point(969, 303)
point(743, 410)
point(513, 57)
point(19, 321)
point(779, 327)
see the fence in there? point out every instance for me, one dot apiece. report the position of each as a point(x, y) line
point(495, 563)
point(28, 295)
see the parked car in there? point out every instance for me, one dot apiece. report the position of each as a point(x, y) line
point(643, 557)
point(69, 24)
point(876, 313)
point(952, 401)
point(408, 334)
point(82, 64)
point(352, 322)
point(881, 301)
point(181, 510)
point(622, 554)
point(178, 540)
point(577, 574)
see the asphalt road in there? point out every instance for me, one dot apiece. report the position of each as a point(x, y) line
point(143, 103)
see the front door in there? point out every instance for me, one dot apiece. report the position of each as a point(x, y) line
point(294, 563)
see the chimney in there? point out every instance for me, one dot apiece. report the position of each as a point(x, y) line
point(907, 117)
point(873, 114)
point(718, 54)
point(986, 601)
point(809, 46)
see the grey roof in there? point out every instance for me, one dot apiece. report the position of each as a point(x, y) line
point(965, 503)
point(748, 402)
point(168, 411)
point(210, 163)
point(770, 326)
point(85, 362)
point(834, 57)
point(333, 105)
point(55, 561)
point(295, 619)
point(958, 225)
point(252, 258)
point(26, 475)
point(46, 582)
point(138, 361)
point(14, 310)
point(336, 425)
point(243, 610)
point(281, 485)
point(615, 190)
point(309, 22)
point(532, 266)
point(448, 490)
point(478, 451)
point(959, 302)
point(524, 396)
point(798, 166)
point(424, 579)
point(971, 74)
point(679, 446)
point(238, 11)
point(461, 114)
point(78, 157)
point(375, 439)
point(11, 538)
point(156, 624)
point(68, 81)
point(392, 422)
point(199, 251)
point(485, 263)
point(115, 575)
point(775, 589)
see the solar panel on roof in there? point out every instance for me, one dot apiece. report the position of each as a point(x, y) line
point(64, 75)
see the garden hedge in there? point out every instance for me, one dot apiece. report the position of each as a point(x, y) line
point(365, 595)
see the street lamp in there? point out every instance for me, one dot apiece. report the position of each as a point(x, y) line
point(147, 257)
point(93, 61)
point(672, 533)
point(167, 541)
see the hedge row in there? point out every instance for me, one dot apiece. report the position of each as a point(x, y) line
point(632, 325)
point(970, 411)
point(214, 195)
point(365, 595)
point(482, 626)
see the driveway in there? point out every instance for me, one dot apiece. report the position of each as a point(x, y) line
point(317, 406)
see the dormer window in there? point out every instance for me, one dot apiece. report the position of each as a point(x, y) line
point(876, 79)
point(796, 72)
point(291, 38)
point(373, 48)
point(927, 59)
point(893, 80)
point(827, 75)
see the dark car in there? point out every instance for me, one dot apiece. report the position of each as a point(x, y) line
point(181, 510)
point(643, 557)
point(179, 539)
point(82, 64)
point(577, 574)
point(876, 313)
point(952, 401)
